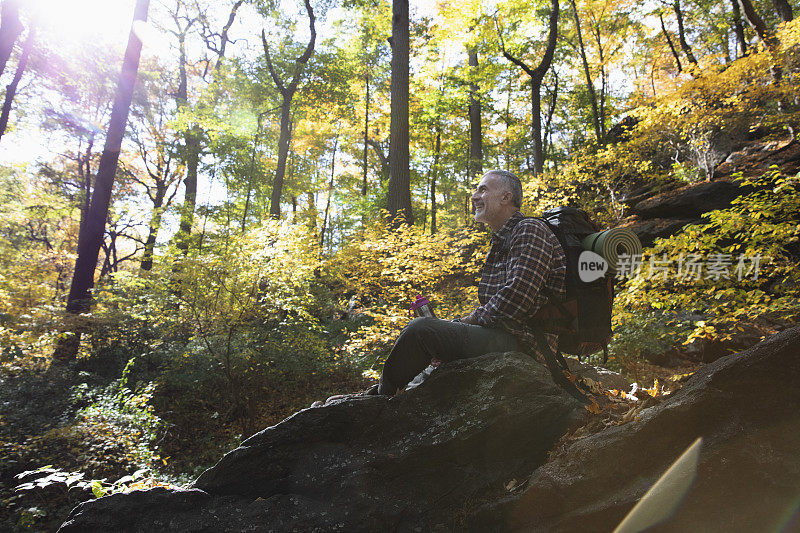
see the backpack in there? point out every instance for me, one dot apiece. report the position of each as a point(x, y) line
point(582, 320)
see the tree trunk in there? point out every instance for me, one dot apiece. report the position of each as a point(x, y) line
point(312, 210)
point(783, 9)
point(192, 158)
point(85, 173)
point(536, 125)
point(755, 21)
point(682, 34)
point(435, 176)
point(283, 153)
point(10, 29)
point(399, 197)
point(766, 37)
point(91, 238)
point(366, 137)
point(193, 136)
point(550, 110)
point(589, 82)
point(671, 46)
point(191, 155)
point(738, 28)
point(507, 121)
point(287, 93)
point(152, 235)
point(603, 80)
point(11, 89)
point(475, 130)
point(252, 171)
point(330, 194)
point(537, 75)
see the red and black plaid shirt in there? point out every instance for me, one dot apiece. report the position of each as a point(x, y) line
point(525, 255)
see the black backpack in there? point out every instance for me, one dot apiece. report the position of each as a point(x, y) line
point(582, 320)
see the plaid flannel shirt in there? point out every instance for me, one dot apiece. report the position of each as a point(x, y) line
point(525, 255)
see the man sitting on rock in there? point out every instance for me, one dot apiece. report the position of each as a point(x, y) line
point(525, 256)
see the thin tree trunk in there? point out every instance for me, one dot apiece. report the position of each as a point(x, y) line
point(192, 146)
point(671, 46)
point(287, 93)
point(191, 155)
point(85, 174)
point(738, 28)
point(330, 194)
point(252, 171)
point(435, 176)
point(11, 89)
point(425, 203)
point(755, 21)
point(603, 80)
point(783, 9)
point(537, 75)
point(399, 197)
point(283, 153)
point(366, 137)
point(152, 235)
point(682, 34)
point(589, 82)
point(475, 128)
point(766, 37)
point(312, 210)
point(10, 30)
point(193, 136)
point(91, 239)
point(551, 109)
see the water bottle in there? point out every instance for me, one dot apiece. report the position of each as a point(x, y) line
point(422, 307)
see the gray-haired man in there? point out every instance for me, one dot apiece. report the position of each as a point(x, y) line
point(525, 256)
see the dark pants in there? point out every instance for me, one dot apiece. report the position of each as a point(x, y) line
point(426, 338)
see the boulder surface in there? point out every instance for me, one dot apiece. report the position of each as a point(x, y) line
point(421, 460)
point(468, 450)
point(745, 406)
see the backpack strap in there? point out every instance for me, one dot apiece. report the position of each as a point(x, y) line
point(557, 303)
point(556, 372)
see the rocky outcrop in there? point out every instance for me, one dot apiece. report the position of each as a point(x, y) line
point(748, 479)
point(468, 450)
point(688, 202)
point(421, 459)
point(658, 214)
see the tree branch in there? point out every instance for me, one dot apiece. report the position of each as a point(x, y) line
point(272, 73)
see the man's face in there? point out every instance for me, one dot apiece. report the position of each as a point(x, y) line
point(491, 200)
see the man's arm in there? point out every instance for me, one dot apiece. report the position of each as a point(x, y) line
point(469, 319)
point(529, 260)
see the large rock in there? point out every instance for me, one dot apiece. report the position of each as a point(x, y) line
point(690, 201)
point(745, 406)
point(418, 460)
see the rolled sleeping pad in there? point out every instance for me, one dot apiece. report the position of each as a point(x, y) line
point(612, 243)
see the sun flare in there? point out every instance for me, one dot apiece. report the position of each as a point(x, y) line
point(102, 21)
